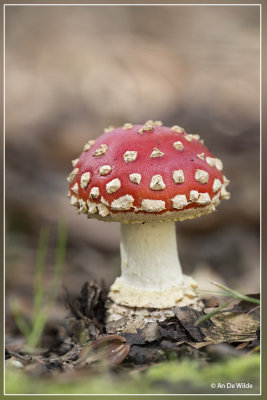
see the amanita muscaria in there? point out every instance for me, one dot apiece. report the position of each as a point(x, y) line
point(146, 177)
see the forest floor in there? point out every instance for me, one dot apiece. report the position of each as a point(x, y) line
point(84, 355)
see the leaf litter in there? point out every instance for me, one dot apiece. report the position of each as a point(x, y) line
point(88, 343)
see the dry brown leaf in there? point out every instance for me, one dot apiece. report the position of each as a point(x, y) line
point(230, 327)
point(112, 349)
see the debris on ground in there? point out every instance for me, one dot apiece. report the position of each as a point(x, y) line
point(88, 342)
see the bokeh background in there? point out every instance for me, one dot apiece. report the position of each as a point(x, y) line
point(72, 71)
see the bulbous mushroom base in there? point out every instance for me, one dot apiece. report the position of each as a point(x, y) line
point(150, 305)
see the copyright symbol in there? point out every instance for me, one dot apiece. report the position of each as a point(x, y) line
point(213, 385)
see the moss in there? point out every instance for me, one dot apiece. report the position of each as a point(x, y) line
point(235, 370)
point(183, 376)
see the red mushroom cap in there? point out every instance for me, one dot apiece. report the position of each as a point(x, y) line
point(139, 173)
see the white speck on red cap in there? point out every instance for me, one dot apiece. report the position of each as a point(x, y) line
point(215, 162)
point(224, 194)
point(72, 176)
point(85, 179)
point(153, 123)
point(74, 201)
point(103, 210)
point(94, 193)
point(225, 181)
point(157, 183)
point(92, 207)
point(104, 201)
point(196, 136)
point(88, 145)
point(178, 176)
point(188, 138)
point(135, 178)
point(179, 201)
point(146, 128)
point(75, 188)
point(177, 128)
point(74, 162)
point(152, 205)
point(123, 203)
point(203, 199)
point(193, 195)
point(127, 125)
point(178, 145)
point(83, 207)
point(105, 169)
point(201, 156)
point(113, 186)
point(130, 156)
point(217, 184)
point(103, 148)
point(156, 153)
point(201, 176)
point(108, 129)
point(219, 164)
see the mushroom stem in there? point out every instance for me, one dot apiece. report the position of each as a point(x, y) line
point(149, 256)
point(151, 274)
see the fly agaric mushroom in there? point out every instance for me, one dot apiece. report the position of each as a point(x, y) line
point(146, 177)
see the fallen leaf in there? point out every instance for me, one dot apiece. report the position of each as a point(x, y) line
point(110, 348)
point(245, 306)
point(228, 328)
point(88, 310)
point(188, 317)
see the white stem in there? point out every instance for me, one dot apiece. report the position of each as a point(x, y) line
point(149, 257)
point(151, 274)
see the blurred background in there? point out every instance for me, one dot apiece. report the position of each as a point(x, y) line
point(71, 72)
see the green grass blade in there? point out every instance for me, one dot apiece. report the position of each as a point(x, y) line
point(41, 306)
point(218, 309)
point(236, 294)
point(38, 289)
point(38, 325)
point(218, 293)
point(41, 317)
point(59, 261)
point(226, 292)
point(19, 319)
